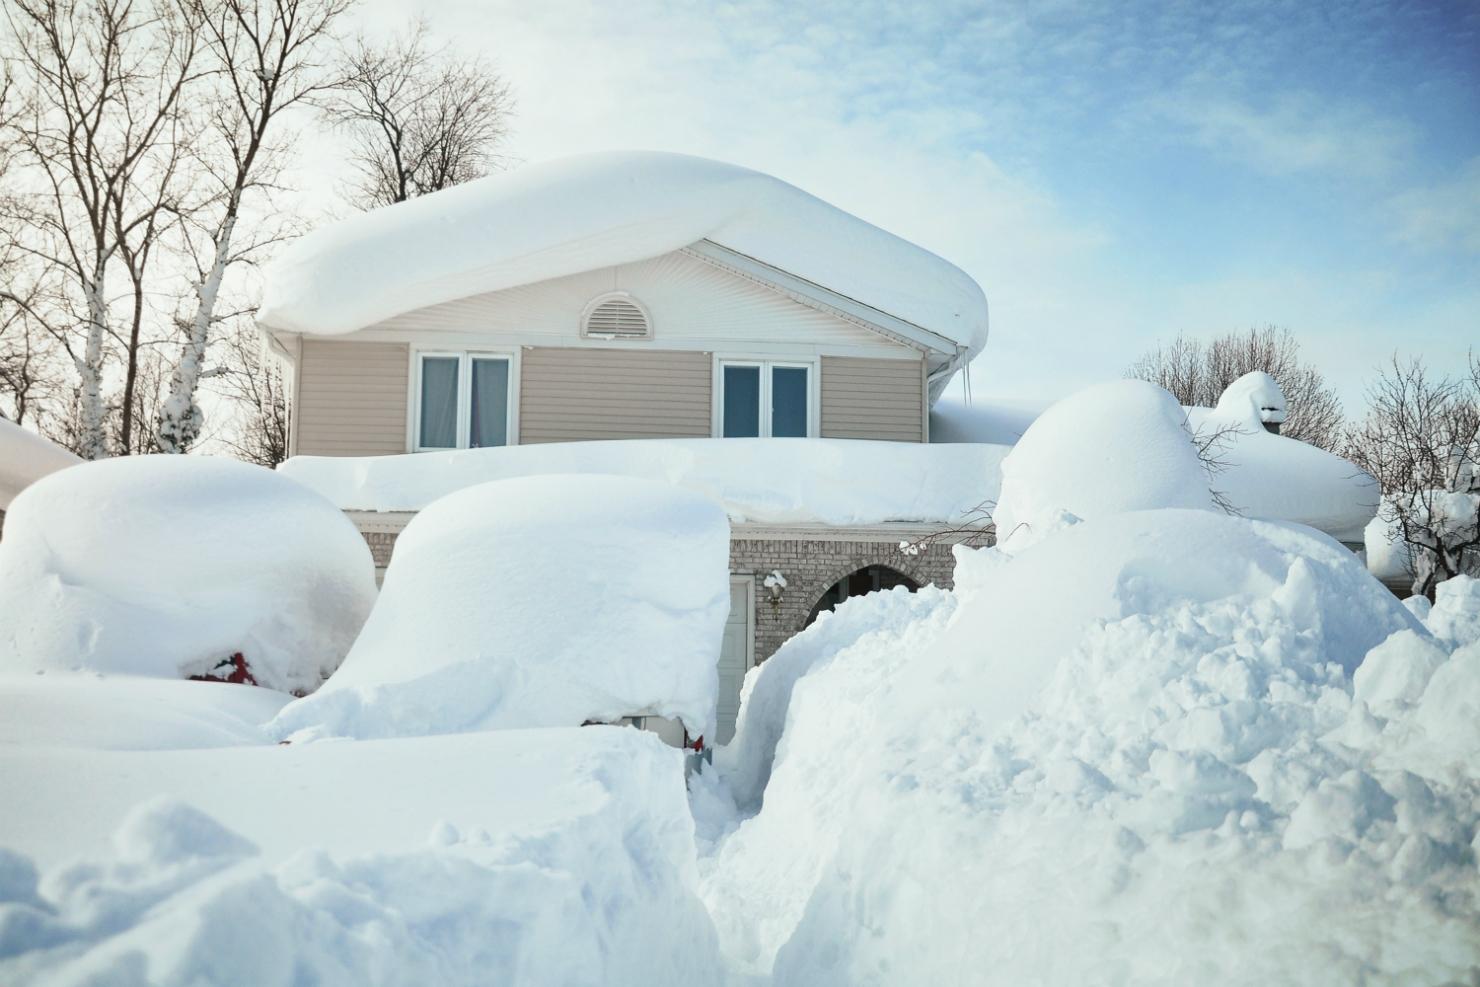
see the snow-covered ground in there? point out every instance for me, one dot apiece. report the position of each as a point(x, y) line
point(1141, 742)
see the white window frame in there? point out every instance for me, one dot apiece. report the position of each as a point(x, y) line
point(766, 365)
point(465, 360)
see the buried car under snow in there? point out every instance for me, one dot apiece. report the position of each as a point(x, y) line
point(468, 634)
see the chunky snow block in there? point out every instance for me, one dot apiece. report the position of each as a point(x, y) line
point(544, 601)
point(168, 566)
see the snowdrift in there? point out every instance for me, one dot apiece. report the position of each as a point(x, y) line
point(827, 481)
point(597, 210)
point(544, 601)
point(169, 565)
point(525, 858)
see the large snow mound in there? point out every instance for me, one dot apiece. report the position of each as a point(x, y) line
point(825, 481)
point(597, 210)
point(542, 601)
point(1118, 446)
point(1264, 475)
point(169, 565)
point(1123, 754)
point(524, 857)
point(26, 457)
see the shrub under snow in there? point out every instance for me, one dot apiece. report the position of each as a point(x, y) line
point(1120, 446)
point(168, 566)
point(541, 601)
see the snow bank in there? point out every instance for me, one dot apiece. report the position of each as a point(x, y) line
point(1119, 446)
point(541, 857)
point(1264, 475)
point(127, 713)
point(26, 457)
point(542, 601)
point(1130, 751)
point(168, 565)
point(826, 481)
point(597, 210)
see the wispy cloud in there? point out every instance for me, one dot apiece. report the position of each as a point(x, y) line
point(1441, 216)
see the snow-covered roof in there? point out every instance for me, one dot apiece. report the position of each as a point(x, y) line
point(598, 210)
point(767, 481)
point(26, 457)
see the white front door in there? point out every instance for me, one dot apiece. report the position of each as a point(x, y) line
point(735, 654)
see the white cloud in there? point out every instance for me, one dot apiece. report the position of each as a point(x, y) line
point(1441, 216)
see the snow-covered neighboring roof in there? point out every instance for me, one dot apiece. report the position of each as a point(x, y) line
point(770, 481)
point(1256, 396)
point(26, 457)
point(598, 210)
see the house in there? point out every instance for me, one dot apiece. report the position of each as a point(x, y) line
point(641, 296)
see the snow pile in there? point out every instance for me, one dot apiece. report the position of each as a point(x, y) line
point(168, 566)
point(128, 713)
point(26, 457)
point(826, 481)
point(1264, 475)
point(1255, 398)
point(598, 210)
point(543, 857)
point(994, 422)
point(1455, 615)
point(1128, 752)
point(542, 601)
point(1120, 446)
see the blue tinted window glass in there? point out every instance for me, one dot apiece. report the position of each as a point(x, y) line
point(789, 402)
point(490, 410)
point(438, 402)
point(742, 396)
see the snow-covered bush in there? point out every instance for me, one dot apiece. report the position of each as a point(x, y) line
point(1120, 446)
point(1132, 751)
point(171, 565)
point(543, 601)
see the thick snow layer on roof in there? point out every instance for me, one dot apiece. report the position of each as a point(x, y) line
point(597, 210)
point(539, 602)
point(823, 481)
point(520, 857)
point(168, 566)
point(1132, 747)
point(1264, 475)
point(26, 457)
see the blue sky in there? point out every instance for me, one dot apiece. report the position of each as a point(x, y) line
point(1111, 173)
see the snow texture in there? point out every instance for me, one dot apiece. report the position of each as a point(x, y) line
point(826, 481)
point(1122, 754)
point(26, 457)
point(167, 566)
point(1120, 446)
point(525, 858)
point(542, 601)
point(598, 210)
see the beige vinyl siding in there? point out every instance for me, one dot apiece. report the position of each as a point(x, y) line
point(873, 399)
point(573, 394)
point(351, 398)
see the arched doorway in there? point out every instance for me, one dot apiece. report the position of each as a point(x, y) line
point(869, 579)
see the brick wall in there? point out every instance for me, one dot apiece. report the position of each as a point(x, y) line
point(812, 566)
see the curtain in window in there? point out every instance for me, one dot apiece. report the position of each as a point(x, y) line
point(490, 410)
point(742, 410)
point(789, 402)
point(438, 402)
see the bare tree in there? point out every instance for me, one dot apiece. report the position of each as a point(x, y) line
point(418, 119)
point(103, 139)
point(266, 59)
point(253, 380)
point(1421, 441)
point(1197, 373)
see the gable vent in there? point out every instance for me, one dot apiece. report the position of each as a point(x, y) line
point(616, 317)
